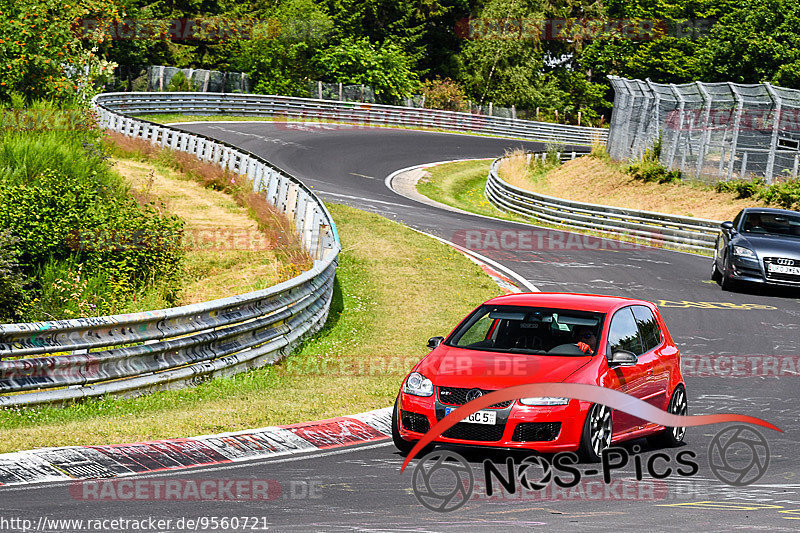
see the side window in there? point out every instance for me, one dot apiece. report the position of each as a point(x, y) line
point(648, 327)
point(737, 220)
point(623, 334)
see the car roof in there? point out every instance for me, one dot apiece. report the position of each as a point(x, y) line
point(769, 210)
point(562, 300)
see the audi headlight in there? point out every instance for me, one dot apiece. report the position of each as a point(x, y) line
point(545, 400)
point(741, 251)
point(418, 385)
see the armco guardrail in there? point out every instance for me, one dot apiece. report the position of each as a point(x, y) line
point(657, 229)
point(304, 108)
point(62, 361)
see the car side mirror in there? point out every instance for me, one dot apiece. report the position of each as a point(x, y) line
point(433, 342)
point(623, 358)
point(727, 226)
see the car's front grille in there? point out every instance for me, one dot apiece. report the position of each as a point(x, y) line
point(536, 431)
point(458, 396)
point(774, 276)
point(414, 422)
point(479, 432)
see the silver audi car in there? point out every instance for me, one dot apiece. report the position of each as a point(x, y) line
point(760, 245)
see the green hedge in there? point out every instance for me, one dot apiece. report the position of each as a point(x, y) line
point(83, 244)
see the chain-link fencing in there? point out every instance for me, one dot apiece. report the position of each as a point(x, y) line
point(709, 131)
point(160, 78)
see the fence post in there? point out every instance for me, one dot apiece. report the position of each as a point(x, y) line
point(794, 168)
point(319, 90)
point(776, 122)
point(681, 108)
point(743, 170)
point(704, 136)
point(340, 91)
point(736, 124)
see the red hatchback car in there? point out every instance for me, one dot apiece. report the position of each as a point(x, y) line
point(612, 342)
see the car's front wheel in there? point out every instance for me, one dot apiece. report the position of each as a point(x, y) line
point(596, 435)
point(725, 282)
point(404, 446)
point(673, 436)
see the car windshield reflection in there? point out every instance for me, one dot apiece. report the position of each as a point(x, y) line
point(529, 330)
point(777, 224)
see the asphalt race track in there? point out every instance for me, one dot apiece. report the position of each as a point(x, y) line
point(360, 488)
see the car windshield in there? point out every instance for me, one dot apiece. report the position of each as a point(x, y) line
point(530, 330)
point(772, 224)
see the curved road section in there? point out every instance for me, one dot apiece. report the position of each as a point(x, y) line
point(740, 355)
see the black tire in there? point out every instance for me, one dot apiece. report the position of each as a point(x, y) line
point(597, 431)
point(404, 446)
point(725, 282)
point(672, 437)
point(715, 275)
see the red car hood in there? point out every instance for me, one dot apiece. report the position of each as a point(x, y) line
point(457, 367)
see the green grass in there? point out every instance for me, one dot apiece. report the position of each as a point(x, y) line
point(394, 289)
point(461, 185)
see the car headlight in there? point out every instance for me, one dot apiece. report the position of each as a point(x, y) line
point(741, 251)
point(418, 385)
point(546, 400)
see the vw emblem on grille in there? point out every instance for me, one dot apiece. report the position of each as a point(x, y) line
point(474, 393)
point(785, 262)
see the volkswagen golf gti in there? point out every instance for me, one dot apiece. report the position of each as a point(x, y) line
point(612, 342)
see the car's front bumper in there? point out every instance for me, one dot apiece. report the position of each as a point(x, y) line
point(541, 420)
point(755, 271)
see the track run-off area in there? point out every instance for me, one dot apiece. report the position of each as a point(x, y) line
point(754, 334)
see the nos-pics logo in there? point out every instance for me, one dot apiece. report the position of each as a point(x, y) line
point(444, 481)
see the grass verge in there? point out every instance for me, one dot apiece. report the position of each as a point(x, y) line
point(394, 289)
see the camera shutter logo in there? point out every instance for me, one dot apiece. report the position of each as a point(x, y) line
point(443, 481)
point(738, 455)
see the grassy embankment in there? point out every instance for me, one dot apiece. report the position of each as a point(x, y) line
point(395, 288)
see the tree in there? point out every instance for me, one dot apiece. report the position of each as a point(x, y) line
point(385, 68)
point(756, 41)
point(43, 56)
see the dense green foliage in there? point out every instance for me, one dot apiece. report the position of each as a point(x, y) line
point(649, 168)
point(500, 51)
point(77, 244)
point(785, 194)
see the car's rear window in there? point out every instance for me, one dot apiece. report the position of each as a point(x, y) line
point(533, 330)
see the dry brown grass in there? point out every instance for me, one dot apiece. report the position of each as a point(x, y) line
point(275, 227)
point(598, 181)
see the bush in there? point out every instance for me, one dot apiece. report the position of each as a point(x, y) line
point(784, 194)
point(82, 241)
point(650, 169)
point(12, 281)
point(179, 83)
point(444, 94)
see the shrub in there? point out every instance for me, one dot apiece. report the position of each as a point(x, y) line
point(179, 82)
point(83, 242)
point(444, 94)
point(12, 281)
point(785, 194)
point(650, 169)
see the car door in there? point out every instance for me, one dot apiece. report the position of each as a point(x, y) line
point(656, 380)
point(623, 334)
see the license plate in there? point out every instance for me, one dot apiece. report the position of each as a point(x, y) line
point(479, 417)
point(783, 269)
